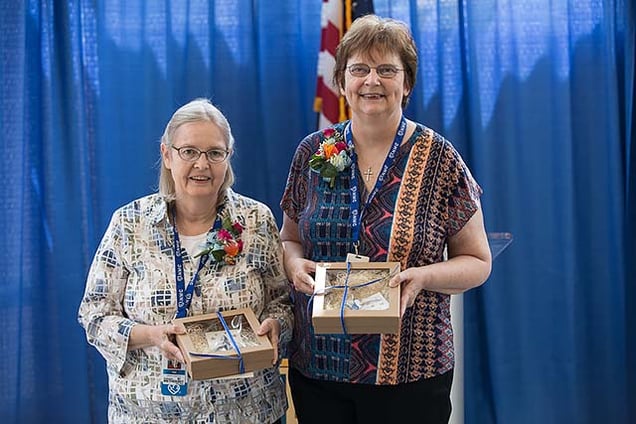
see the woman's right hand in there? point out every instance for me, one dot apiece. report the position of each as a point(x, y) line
point(298, 269)
point(300, 272)
point(162, 336)
point(167, 339)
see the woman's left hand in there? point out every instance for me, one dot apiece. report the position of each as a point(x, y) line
point(271, 328)
point(410, 287)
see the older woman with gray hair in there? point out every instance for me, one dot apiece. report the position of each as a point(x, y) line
point(156, 252)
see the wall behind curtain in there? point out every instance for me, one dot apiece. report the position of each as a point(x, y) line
point(537, 96)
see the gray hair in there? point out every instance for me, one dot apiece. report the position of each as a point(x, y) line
point(198, 110)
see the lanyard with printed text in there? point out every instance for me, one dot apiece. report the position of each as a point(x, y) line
point(356, 212)
point(184, 294)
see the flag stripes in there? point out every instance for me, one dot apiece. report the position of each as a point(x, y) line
point(336, 18)
point(327, 96)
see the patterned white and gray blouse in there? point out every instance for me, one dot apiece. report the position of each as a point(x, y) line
point(132, 281)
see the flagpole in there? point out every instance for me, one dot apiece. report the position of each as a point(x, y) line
point(457, 389)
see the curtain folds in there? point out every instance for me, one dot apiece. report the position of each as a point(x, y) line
point(626, 64)
point(537, 95)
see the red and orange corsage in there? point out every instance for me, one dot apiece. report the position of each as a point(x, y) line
point(331, 158)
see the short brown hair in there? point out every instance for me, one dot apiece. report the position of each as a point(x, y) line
point(373, 35)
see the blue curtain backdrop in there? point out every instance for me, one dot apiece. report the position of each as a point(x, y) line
point(538, 95)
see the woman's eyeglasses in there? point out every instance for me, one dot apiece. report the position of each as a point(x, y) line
point(384, 71)
point(192, 154)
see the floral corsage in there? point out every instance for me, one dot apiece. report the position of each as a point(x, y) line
point(224, 244)
point(331, 157)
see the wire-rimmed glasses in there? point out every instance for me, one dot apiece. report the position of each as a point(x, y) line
point(385, 70)
point(192, 154)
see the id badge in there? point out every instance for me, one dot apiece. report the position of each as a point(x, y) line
point(174, 378)
point(353, 257)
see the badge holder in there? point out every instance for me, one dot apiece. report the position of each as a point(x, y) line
point(354, 257)
point(174, 378)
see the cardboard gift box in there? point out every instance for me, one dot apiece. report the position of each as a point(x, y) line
point(356, 298)
point(211, 349)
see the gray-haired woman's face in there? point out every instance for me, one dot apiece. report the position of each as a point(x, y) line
point(201, 177)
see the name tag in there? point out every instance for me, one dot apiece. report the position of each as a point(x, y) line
point(174, 378)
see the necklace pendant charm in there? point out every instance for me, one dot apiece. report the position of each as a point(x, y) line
point(368, 173)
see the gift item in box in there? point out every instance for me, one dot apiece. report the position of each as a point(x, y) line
point(355, 298)
point(213, 347)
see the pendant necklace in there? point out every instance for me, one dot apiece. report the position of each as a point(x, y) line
point(368, 173)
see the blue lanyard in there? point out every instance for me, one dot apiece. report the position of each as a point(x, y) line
point(184, 294)
point(356, 212)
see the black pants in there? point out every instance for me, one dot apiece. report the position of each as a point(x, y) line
point(426, 401)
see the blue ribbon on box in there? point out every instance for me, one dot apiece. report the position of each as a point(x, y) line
point(238, 355)
point(345, 291)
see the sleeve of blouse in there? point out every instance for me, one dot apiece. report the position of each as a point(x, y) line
point(277, 289)
point(464, 193)
point(101, 309)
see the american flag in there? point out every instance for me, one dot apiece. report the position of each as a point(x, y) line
point(336, 18)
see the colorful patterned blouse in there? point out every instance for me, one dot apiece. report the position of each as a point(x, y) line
point(132, 280)
point(428, 196)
